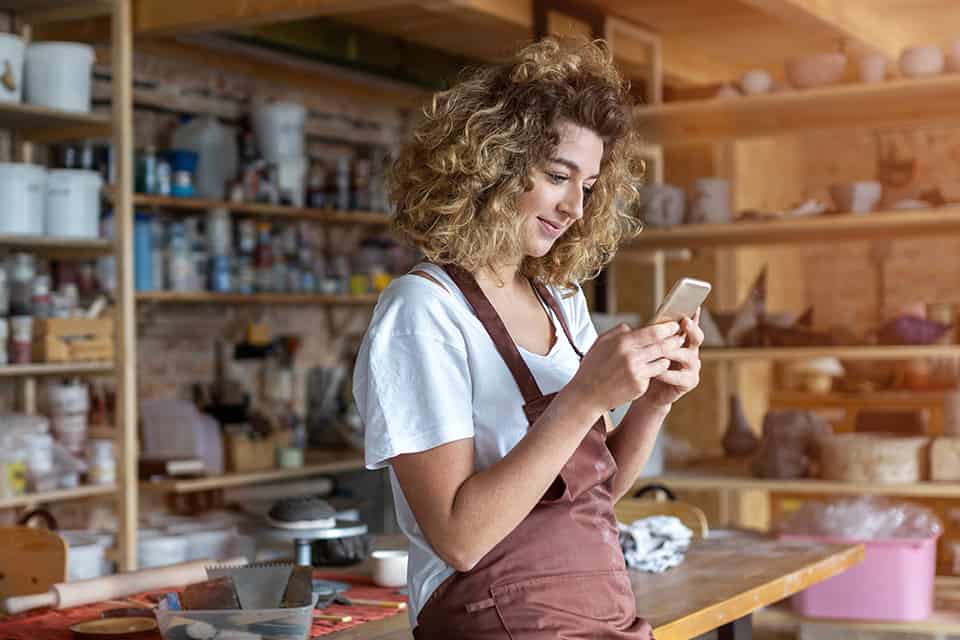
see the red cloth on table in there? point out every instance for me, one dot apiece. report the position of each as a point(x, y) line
point(55, 625)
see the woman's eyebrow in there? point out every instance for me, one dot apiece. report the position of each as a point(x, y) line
point(573, 166)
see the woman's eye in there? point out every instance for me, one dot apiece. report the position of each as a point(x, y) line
point(556, 178)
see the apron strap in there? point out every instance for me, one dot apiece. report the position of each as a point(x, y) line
point(498, 332)
point(557, 311)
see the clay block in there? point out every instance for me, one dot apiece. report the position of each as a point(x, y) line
point(945, 459)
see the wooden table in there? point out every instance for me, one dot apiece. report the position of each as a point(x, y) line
point(722, 581)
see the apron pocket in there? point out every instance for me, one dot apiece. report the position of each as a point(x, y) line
point(567, 606)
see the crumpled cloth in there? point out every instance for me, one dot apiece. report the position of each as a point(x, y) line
point(654, 544)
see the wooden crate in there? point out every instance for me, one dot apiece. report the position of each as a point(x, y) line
point(73, 339)
point(244, 454)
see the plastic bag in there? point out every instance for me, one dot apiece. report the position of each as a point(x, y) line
point(864, 518)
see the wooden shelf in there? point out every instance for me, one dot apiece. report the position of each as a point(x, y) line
point(54, 245)
point(733, 474)
point(61, 495)
point(55, 369)
point(321, 462)
point(261, 210)
point(41, 124)
point(891, 103)
point(880, 352)
point(945, 619)
point(205, 297)
point(843, 227)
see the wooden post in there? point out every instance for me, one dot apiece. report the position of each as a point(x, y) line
point(126, 411)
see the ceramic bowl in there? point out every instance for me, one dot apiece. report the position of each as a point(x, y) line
point(389, 568)
point(815, 71)
point(873, 68)
point(856, 197)
point(756, 82)
point(921, 61)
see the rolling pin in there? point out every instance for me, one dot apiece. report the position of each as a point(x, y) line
point(74, 594)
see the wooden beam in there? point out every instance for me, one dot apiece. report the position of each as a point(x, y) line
point(682, 65)
point(177, 17)
point(859, 23)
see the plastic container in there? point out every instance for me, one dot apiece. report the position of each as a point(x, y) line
point(159, 550)
point(59, 76)
point(69, 404)
point(209, 545)
point(216, 149)
point(101, 464)
point(22, 195)
point(894, 582)
point(86, 557)
point(73, 203)
point(290, 624)
point(281, 130)
point(12, 50)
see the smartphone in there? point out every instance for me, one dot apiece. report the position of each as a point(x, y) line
point(685, 297)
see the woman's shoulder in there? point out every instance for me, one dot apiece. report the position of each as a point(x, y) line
point(413, 304)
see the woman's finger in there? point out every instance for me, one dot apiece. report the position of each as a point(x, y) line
point(650, 352)
point(685, 379)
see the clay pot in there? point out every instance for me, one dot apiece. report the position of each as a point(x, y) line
point(873, 68)
point(856, 197)
point(711, 201)
point(921, 61)
point(739, 439)
point(816, 70)
point(756, 82)
point(662, 205)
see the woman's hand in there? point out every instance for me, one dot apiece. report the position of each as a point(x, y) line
point(623, 362)
point(684, 372)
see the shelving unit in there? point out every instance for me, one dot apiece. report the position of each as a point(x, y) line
point(842, 227)
point(32, 125)
point(889, 103)
point(205, 297)
point(57, 246)
point(61, 495)
point(727, 474)
point(263, 210)
point(944, 621)
point(56, 369)
point(44, 125)
point(333, 461)
point(878, 352)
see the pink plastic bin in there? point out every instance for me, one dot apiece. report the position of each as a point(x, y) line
point(894, 582)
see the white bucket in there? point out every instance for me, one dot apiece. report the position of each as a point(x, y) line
point(280, 129)
point(73, 203)
point(22, 196)
point(11, 67)
point(59, 75)
point(292, 179)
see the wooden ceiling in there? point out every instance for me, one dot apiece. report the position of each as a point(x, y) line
point(705, 42)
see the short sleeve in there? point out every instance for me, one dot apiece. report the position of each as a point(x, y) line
point(412, 381)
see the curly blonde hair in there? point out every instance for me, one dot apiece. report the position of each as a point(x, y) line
point(457, 181)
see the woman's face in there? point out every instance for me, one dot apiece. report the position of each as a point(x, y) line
point(560, 189)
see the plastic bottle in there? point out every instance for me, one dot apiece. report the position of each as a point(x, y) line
point(217, 150)
point(143, 252)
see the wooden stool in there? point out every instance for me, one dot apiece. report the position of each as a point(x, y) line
point(629, 509)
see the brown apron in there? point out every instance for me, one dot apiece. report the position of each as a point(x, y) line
point(560, 573)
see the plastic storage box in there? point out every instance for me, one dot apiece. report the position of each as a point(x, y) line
point(894, 582)
point(267, 624)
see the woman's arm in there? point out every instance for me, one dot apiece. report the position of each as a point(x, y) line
point(632, 441)
point(464, 513)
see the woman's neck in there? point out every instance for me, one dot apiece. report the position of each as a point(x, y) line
point(505, 277)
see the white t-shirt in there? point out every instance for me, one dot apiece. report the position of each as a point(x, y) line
point(428, 373)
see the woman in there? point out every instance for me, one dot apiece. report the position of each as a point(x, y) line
point(481, 381)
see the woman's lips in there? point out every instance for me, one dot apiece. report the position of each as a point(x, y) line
point(551, 228)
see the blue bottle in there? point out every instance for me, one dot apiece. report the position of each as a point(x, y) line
point(143, 252)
